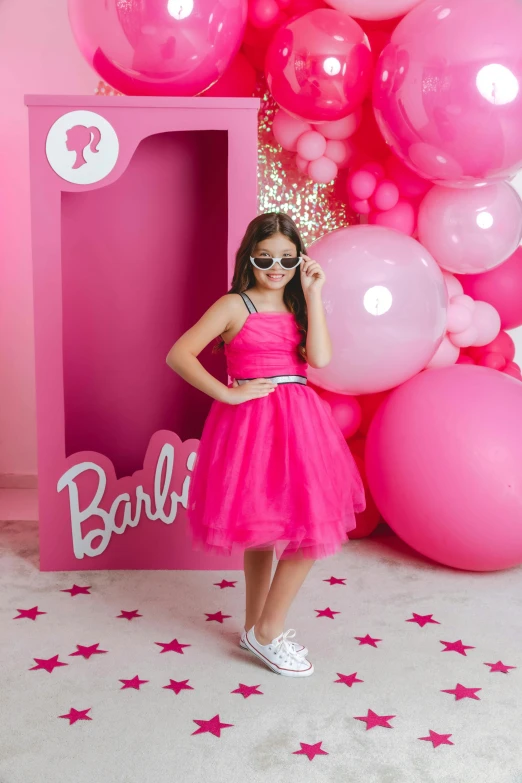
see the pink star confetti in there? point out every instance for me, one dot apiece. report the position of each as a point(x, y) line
point(248, 690)
point(437, 739)
point(461, 692)
point(422, 619)
point(310, 750)
point(173, 646)
point(326, 613)
point(75, 590)
point(177, 686)
point(74, 715)
point(335, 581)
point(499, 667)
point(47, 663)
point(224, 584)
point(129, 615)
point(135, 683)
point(28, 614)
point(217, 616)
point(367, 640)
point(457, 647)
point(212, 726)
point(372, 720)
point(348, 679)
point(86, 652)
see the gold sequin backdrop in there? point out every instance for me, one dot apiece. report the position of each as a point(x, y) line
point(315, 208)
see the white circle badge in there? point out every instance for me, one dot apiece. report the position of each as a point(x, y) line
point(82, 147)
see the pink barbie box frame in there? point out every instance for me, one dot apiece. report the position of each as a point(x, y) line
point(138, 206)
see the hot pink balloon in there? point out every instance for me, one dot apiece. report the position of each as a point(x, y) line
point(409, 183)
point(465, 128)
point(443, 459)
point(513, 370)
point(502, 343)
point(322, 170)
point(473, 229)
point(401, 217)
point(287, 129)
point(179, 47)
point(346, 412)
point(311, 145)
point(318, 66)
point(386, 195)
point(374, 9)
point(238, 81)
point(362, 184)
point(502, 288)
point(495, 361)
point(385, 301)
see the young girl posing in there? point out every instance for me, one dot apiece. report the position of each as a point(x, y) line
point(273, 471)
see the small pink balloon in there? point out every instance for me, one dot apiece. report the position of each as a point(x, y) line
point(502, 288)
point(495, 361)
point(453, 285)
point(464, 359)
point(263, 13)
point(464, 339)
point(361, 206)
point(362, 184)
point(460, 317)
point(339, 152)
point(409, 183)
point(346, 412)
point(322, 170)
point(446, 355)
point(513, 370)
point(287, 130)
point(311, 145)
point(386, 195)
point(401, 218)
point(375, 168)
point(465, 301)
point(486, 320)
point(302, 164)
point(341, 129)
point(502, 343)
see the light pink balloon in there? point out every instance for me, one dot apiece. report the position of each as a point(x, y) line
point(401, 218)
point(385, 302)
point(322, 170)
point(409, 183)
point(302, 164)
point(502, 288)
point(443, 459)
point(361, 184)
point(338, 151)
point(472, 229)
point(311, 145)
point(453, 285)
point(446, 355)
point(374, 9)
point(340, 129)
point(486, 321)
point(386, 195)
point(345, 410)
point(464, 128)
point(288, 129)
point(460, 317)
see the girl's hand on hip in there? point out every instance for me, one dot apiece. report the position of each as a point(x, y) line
point(260, 387)
point(312, 276)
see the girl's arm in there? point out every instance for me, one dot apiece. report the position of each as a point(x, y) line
point(318, 342)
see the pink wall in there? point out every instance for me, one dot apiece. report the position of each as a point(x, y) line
point(37, 55)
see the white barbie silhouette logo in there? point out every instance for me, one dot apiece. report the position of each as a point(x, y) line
point(82, 147)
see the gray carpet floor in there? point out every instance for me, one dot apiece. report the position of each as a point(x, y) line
point(129, 730)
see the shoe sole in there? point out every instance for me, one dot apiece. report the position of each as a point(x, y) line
point(277, 669)
point(302, 652)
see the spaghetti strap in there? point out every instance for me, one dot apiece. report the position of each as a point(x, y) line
point(249, 303)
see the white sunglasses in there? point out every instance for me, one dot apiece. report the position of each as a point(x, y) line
point(267, 263)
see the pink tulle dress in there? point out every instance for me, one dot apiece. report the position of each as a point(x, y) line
point(273, 471)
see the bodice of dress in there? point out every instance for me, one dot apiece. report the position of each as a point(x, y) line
point(266, 346)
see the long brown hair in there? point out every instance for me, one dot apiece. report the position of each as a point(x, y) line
point(263, 227)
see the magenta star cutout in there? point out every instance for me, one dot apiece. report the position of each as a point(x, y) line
point(372, 720)
point(177, 686)
point(224, 584)
point(74, 715)
point(422, 619)
point(367, 640)
point(76, 590)
point(129, 615)
point(173, 646)
point(28, 614)
point(212, 726)
point(457, 647)
point(437, 739)
point(348, 679)
point(461, 692)
point(217, 616)
point(248, 690)
point(47, 663)
point(135, 683)
point(499, 667)
point(310, 750)
point(86, 652)
point(335, 581)
point(326, 613)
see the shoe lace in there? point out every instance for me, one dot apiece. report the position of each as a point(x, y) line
point(284, 647)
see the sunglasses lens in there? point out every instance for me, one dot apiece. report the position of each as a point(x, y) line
point(263, 263)
point(289, 263)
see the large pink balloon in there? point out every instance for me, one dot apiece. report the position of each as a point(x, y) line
point(173, 47)
point(444, 466)
point(500, 287)
point(385, 301)
point(473, 229)
point(318, 66)
point(447, 90)
point(374, 9)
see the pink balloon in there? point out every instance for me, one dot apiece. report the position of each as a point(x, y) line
point(502, 288)
point(311, 145)
point(287, 130)
point(152, 48)
point(443, 459)
point(238, 81)
point(374, 9)
point(263, 13)
point(446, 355)
point(495, 361)
point(375, 168)
point(502, 344)
point(318, 66)
point(340, 129)
point(486, 320)
point(322, 170)
point(465, 128)
point(464, 339)
point(473, 229)
point(386, 195)
point(453, 285)
point(460, 317)
point(302, 164)
point(385, 301)
point(464, 359)
point(513, 370)
point(362, 184)
point(409, 183)
point(345, 410)
point(361, 206)
point(338, 151)
point(401, 218)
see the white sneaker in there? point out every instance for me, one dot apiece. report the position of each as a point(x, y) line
point(297, 648)
point(279, 656)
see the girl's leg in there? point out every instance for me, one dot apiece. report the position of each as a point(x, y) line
point(258, 572)
point(288, 578)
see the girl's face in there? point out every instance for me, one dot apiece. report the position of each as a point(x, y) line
point(276, 246)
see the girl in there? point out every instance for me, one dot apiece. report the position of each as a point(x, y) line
point(273, 470)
